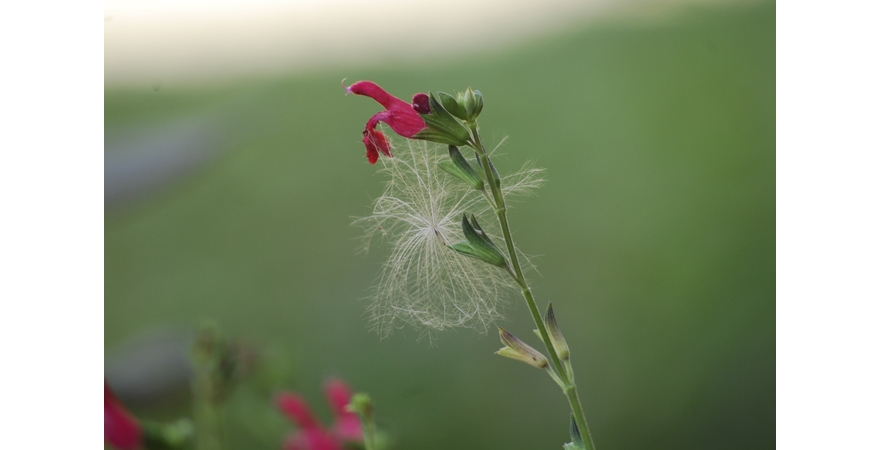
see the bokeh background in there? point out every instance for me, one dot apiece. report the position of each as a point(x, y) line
point(230, 187)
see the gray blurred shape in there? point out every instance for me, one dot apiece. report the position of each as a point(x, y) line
point(141, 159)
point(151, 366)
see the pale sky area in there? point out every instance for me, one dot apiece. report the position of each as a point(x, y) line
point(191, 41)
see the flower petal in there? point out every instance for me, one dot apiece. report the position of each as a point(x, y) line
point(372, 90)
point(400, 115)
point(312, 439)
point(348, 428)
point(338, 395)
point(421, 104)
point(376, 142)
point(296, 408)
point(347, 425)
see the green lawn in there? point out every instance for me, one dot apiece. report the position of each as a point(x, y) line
point(654, 237)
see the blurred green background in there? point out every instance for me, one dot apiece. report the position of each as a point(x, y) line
point(654, 236)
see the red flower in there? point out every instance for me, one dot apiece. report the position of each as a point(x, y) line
point(311, 435)
point(347, 425)
point(121, 429)
point(401, 116)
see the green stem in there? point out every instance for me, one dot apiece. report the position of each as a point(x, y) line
point(369, 435)
point(566, 376)
point(362, 404)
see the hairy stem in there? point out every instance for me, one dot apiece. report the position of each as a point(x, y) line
point(567, 376)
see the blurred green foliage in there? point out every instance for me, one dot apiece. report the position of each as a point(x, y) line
point(654, 237)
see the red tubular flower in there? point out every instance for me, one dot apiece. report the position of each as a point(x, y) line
point(121, 429)
point(401, 116)
point(311, 435)
point(347, 426)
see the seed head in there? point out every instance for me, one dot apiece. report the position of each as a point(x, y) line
point(424, 283)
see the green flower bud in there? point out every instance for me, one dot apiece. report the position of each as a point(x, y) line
point(361, 404)
point(555, 334)
point(452, 105)
point(441, 127)
point(478, 105)
point(472, 101)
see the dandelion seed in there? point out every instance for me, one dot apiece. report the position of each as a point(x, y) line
point(425, 284)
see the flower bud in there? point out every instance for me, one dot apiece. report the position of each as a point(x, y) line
point(452, 105)
point(478, 105)
point(361, 404)
point(520, 351)
point(441, 127)
point(556, 338)
point(421, 103)
point(473, 103)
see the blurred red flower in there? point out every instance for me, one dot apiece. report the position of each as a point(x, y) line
point(121, 429)
point(311, 435)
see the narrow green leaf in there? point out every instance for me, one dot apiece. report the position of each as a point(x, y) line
point(481, 244)
point(467, 249)
point(458, 167)
point(483, 236)
point(576, 440)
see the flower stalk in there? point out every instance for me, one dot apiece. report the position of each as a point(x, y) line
point(362, 405)
point(452, 121)
point(564, 372)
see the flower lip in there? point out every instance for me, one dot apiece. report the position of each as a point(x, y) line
point(375, 142)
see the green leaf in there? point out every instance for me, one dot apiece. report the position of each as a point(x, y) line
point(577, 442)
point(482, 234)
point(458, 167)
point(480, 242)
point(496, 177)
point(467, 249)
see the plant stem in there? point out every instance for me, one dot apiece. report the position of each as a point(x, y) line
point(369, 436)
point(569, 388)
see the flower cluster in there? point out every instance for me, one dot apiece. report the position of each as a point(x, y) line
point(311, 434)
